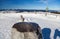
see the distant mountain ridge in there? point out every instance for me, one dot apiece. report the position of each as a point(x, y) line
point(30, 10)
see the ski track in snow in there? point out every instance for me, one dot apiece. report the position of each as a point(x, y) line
point(8, 20)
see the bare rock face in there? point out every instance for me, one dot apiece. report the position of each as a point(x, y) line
point(25, 30)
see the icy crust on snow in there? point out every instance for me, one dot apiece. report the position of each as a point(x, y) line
point(7, 20)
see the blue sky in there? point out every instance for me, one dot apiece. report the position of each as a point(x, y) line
point(30, 4)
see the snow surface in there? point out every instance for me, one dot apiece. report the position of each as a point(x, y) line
point(7, 20)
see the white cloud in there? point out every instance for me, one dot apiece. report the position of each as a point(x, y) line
point(43, 1)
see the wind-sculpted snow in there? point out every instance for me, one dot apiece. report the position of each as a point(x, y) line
point(49, 25)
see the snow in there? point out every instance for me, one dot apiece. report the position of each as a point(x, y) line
point(7, 20)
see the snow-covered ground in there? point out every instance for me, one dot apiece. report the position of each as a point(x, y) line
point(7, 20)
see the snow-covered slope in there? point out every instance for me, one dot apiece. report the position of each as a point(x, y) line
point(7, 20)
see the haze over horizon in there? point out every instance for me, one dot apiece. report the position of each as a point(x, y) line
point(30, 4)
